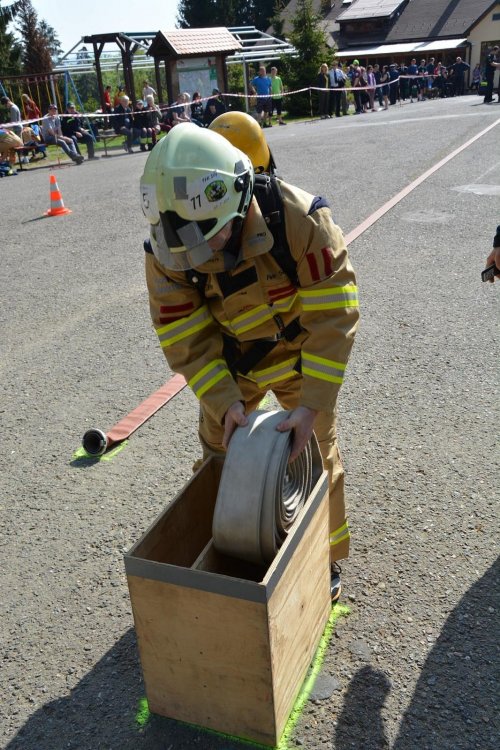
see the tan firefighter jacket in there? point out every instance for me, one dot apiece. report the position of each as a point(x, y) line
point(257, 299)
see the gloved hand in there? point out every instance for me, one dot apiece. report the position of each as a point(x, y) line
point(301, 421)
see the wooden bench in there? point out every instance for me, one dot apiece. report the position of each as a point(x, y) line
point(106, 137)
point(22, 151)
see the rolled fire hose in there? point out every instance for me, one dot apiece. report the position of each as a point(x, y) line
point(260, 494)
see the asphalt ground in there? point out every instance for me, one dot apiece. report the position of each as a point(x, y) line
point(415, 664)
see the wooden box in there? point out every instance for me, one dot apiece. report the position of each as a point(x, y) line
point(224, 644)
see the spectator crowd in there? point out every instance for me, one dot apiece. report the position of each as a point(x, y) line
point(338, 86)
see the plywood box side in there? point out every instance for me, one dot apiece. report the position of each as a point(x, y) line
point(298, 612)
point(185, 527)
point(205, 658)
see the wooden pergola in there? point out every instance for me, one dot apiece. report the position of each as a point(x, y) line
point(128, 44)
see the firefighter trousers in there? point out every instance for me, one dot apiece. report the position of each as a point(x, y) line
point(287, 393)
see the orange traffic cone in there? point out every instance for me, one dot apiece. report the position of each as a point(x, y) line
point(57, 207)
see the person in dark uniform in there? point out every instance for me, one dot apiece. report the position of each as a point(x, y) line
point(491, 65)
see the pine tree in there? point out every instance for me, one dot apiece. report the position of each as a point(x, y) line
point(36, 55)
point(50, 36)
point(10, 50)
point(309, 39)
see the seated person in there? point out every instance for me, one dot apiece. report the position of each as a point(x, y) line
point(141, 127)
point(123, 122)
point(52, 134)
point(215, 107)
point(30, 108)
point(9, 141)
point(178, 111)
point(197, 110)
point(31, 140)
point(72, 126)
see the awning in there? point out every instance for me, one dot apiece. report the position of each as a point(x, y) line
point(441, 44)
point(404, 48)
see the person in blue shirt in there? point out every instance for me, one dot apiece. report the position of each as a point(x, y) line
point(262, 85)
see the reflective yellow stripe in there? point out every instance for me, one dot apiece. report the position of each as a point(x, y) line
point(329, 298)
point(273, 374)
point(285, 304)
point(208, 376)
point(322, 368)
point(339, 535)
point(251, 319)
point(180, 329)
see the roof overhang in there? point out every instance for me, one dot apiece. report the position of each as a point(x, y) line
point(405, 48)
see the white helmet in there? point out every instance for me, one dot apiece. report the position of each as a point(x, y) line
point(194, 183)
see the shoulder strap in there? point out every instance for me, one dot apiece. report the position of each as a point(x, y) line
point(268, 194)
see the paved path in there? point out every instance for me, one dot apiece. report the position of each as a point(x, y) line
point(415, 661)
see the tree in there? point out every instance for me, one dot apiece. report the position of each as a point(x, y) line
point(51, 38)
point(36, 55)
point(207, 13)
point(309, 39)
point(198, 14)
point(10, 50)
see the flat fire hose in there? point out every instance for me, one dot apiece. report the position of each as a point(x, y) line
point(260, 494)
point(96, 442)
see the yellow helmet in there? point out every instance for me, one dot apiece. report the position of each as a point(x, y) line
point(246, 134)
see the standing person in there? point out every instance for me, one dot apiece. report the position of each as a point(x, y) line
point(412, 70)
point(371, 83)
point(73, 127)
point(378, 90)
point(337, 83)
point(52, 134)
point(233, 335)
point(422, 80)
point(14, 115)
point(490, 66)
point(261, 86)
point(154, 118)
point(323, 84)
point(30, 108)
point(384, 80)
point(459, 69)
point(123, 122)
point(277, 91)
point(476, 78)
point(147, 90)
point(393, 83)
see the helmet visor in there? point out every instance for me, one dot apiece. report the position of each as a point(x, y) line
point(195, 252)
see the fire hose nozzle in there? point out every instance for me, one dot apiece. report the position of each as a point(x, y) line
point(95, 442)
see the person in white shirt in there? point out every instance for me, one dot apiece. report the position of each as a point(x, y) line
point(52, 134)
point(147, 90)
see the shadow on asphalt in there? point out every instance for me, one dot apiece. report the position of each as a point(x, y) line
point(360, 724)
point(100, 714)
point(454, 703)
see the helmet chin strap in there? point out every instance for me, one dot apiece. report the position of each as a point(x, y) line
point(231, 249)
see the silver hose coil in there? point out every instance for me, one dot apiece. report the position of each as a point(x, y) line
point(260, 493)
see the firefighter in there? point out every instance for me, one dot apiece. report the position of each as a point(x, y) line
point(249, 328)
